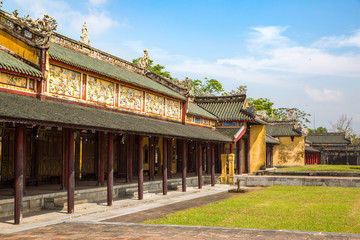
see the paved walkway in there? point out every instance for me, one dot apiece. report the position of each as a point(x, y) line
point(121, 221)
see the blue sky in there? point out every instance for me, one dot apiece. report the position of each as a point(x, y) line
point(303, 54)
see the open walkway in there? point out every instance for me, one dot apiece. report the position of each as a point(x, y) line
point(122, 221)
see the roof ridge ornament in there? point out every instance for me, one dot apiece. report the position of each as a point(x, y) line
point(144, 61)
point(84, 38)
point(44, 26)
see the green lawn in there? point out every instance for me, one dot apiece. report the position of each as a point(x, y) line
point(327, 209)
point(342, 168)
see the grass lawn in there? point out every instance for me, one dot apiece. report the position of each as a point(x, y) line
point(327, 209)
point(342, 168)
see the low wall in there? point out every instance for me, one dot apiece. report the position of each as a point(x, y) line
point(98, 194)
point(310, 173)
point(253, 181)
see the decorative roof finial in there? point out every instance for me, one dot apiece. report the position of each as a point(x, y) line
point(1, 3)
point(144, 62)
point(15, 13)
point(43, 26)
point(84, 38)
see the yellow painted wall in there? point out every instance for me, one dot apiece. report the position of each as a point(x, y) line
point(257, 148)
point(20, 48)
point(289, 153)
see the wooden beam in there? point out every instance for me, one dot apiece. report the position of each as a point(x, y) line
point(231, 148)
point(24, 161)
point(64, 159)
point(140, 168)
point(71, 172)
point(110, 169)
point(248, 154)
point(199, 161)
point(208, 158)
point(102, 158)
point(18, 172)
point(165, 163)
point(212, 164)
point(239, 159)
point(170, 157)
point(184, 158)
point(152, 159)
point(130, 151)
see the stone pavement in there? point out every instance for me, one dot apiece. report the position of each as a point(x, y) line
point(121, 221)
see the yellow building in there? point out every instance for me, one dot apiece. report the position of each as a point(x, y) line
point(246, 130)
point(291, 150)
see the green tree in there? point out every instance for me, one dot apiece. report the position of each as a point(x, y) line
point(213, 86)
point(279, 114)
point(159, 69)
point(318, 130)
point(263, 104)
point(293, 113)
point(208, 87)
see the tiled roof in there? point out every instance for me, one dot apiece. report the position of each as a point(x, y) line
point(11, 63)
point(229, 132)
point(282, 129)
point(225, 108)
point(327, 138)
point(85, 62)
point(195, 110)
point(271, 140)
point(34, 111)
point(310, 149)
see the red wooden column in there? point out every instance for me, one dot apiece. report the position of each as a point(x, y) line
point(18, 172)
point(199, 160)
point(231, 148)
point(110, 169)
point(102, 158)
point(152, 159)
point(248, 154)
point(196, 154)
point(170, 157)
point(71, 172)
point(208, 157)
point(140, 168)
point(24, 161)
point(130, 151)
point(212, 162)
point(65, 154)
point(165, 163)
point(184, 162)
point(239, 163)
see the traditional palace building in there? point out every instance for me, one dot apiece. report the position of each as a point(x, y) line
point(72, 114)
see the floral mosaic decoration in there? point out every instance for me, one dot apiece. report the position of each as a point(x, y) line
point(130, 98)
point(154, 104)
point(64, 82)
point(100, 91)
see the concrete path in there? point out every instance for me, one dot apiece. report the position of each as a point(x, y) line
point(122, 221)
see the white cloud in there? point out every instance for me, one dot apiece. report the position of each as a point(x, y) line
point(324, 95)
point(269, 36)
point(97, 2)
point(69, 19)
point(339, 41)
point(276, 59)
